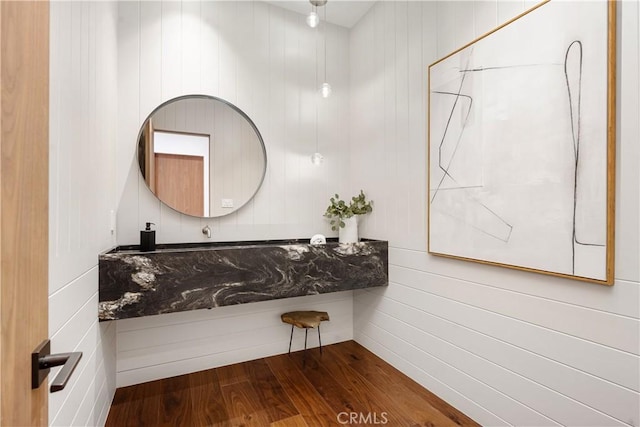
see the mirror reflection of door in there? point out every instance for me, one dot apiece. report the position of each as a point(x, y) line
point(179, 182)
point(237, 159)
point(181, 171)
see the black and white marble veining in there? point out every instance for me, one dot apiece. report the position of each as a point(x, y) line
point(134, 284)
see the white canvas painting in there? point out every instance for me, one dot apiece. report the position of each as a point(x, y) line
point(518, 144)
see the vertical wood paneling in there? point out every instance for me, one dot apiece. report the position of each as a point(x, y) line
point(305, 145)
point(339, 109)
point(628, 173)
point(150, 53)
point(191, 25)
point(446, 29)
point(292, 125)
point(465, 22)
point(261, 58)
point(82, 191)
point(128, 48)
point(485, 16)
point(245, 67)
point(172, 34)
point(209, 71)
point(509, 9)
point(276, 111)
point(401, 143)
point(416, 149)
point(443, 322)
point(388, 79)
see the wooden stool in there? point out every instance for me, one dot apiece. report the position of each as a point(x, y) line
point(306, 320)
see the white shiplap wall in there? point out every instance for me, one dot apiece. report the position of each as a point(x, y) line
point(505, 347)
point(83, 114)
point(262, 59)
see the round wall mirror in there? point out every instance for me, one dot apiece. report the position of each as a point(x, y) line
point(201, 155)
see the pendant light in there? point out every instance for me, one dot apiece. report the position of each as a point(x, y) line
point(312, 18)
point(325, 89)
point(316, 158)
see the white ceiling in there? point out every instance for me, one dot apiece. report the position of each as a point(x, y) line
point(340, 12)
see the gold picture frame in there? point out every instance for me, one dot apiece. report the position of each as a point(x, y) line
point(521, 144)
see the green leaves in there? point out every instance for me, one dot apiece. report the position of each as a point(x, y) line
point(339, 210)
point(359, 204)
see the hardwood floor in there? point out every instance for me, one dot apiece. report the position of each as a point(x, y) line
point(347, 385)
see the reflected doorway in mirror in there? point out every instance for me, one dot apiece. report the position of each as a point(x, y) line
point(181, 171)
point(234, 162)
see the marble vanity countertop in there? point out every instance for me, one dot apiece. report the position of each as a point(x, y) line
point(195, 276)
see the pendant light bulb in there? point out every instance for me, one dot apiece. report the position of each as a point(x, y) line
point(313, 19)
point(325, 90)
point(317, 158)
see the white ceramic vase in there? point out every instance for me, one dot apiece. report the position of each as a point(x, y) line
point(349, 233)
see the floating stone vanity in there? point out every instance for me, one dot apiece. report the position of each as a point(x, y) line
point(186, 277)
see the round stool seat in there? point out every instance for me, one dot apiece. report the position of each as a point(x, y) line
point(305, 319)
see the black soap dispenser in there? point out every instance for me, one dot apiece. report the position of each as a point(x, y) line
point(148, 238)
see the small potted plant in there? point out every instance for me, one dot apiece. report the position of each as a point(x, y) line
point(344, 218)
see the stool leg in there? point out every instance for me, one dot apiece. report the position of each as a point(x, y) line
point(305, 338)
point(304, 356)
point(319, 340)
point(290, 339)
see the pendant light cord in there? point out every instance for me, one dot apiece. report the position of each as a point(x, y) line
point(316, 87)
point(325, 43)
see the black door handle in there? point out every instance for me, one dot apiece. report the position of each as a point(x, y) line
point(42, 360)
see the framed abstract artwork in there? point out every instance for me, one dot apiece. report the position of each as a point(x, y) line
point(521, 166)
